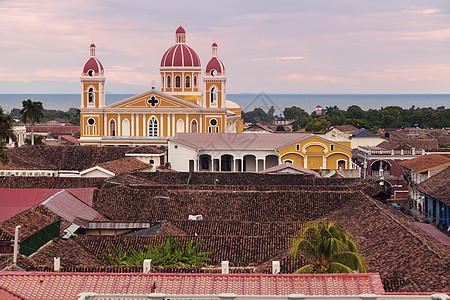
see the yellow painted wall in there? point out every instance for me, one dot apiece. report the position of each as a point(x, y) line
point(314, 162)
point(295, 158)
point(86, 86)
point(333, 159)
point(316, 150)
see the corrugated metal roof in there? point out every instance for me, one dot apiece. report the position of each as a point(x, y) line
point(15, 201)
point(116, 225)
point(71, 208)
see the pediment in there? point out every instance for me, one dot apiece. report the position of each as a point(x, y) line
point(152, 100)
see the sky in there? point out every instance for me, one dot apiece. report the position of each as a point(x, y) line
point(292, 46)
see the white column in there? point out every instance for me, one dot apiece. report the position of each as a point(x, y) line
point(200, 130)
point(173, 124)
point(132, 124)
point(161, 132)
point(119, 125)
point(187, 124)
point(169, 132)
point(105, 122)
point(144, 132)
point(137, 124)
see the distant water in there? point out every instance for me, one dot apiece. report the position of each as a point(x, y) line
point(250, 101)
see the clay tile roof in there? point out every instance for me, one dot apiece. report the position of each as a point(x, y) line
point(5, 294)
point(426, 162)
point(124, 165)
point(40, 285)
point(291, 166)
point(31, 221)
point(437, 186)
point(147, 150)
point(407, 144)
point(71, 139)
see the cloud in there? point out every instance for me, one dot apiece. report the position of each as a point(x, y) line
point(297, 77)
point(279, 58)
point(427, 11)
point(413, 73)
point(427, 35)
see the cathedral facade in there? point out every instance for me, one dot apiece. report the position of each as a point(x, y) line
point(189, 101)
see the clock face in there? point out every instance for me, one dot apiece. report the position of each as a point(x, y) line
point(213, 72)
point(213, 122)
point(91, 121)
point(91, 72)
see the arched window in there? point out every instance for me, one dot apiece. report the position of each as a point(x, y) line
point(213, 95)
point(194, 126)
point(188, 82)
point(162, 82)
point(125, 127)
point(180, 125)
point(169, 82)
point(195, 81)
point(153, 127)
point(91, 95)
point(112, 127)
point(177, 81)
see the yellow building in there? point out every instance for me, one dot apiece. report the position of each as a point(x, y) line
point(154, 117)
point(256, 152)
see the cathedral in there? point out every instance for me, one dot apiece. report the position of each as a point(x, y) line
point(187, 102)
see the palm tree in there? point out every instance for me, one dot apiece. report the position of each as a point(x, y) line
point(33, 112)
point(6, 133)
point(328, 248)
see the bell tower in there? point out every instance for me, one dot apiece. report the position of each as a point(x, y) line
point(92, 82)
point(215, 82)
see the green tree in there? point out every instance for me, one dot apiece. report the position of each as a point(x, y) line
point(328, 248)
point(33, 112)
point(258, 115)
point(168, 253)
point(358, 123)
point(294, 113)
point(355, 112)
point(318, 125)
point(6, 133)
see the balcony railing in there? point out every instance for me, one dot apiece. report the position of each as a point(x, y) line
point(378, 173)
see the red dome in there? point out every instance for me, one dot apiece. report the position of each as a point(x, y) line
point(180, 30)
point(180, 55)
point(92, 45)
point(214, 45)
point(215, 64)
point(93, 64)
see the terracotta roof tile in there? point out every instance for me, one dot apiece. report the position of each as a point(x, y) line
point(38, 285)
point(65, 157)
point(124, 165)
point(291, 166)
point(437, 186)
point(426, 162)
point(31, 221)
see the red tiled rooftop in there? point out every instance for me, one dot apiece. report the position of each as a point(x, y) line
point(39, 285)
point(437, 186)
point(426, 162)
point(292, 166)
point(124, 165)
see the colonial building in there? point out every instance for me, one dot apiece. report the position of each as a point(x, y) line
point(246, 152)
point(154, 117)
